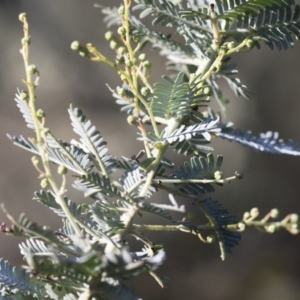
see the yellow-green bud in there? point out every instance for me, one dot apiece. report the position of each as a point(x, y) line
point(147, 64)
point(25, 41)
point(44, 183)
point(230, 45)
point(254, 212)
point(274, 213)
point(206, 90)
point(128, 63)
point(120, 59)
point(271, 228)
point(131, 120)
point(75, 46)
point(294, 218)
point(218, 175)
point(123, 78)
point(22, 17)
point(32, 69)
point(145, 91)
point(121, 50)
point(35, 160)
point(241, 226)
point(121, 10)
point(109, 35)
point(246, 215)
point(113, 45)
point(250, 43)
point(121, 30)
point(142, 57)
point(211, 239)
point(136, 39)
point(121, 91)
point(62, 170)
point(40, 113)
point(238, 175)
point(44, 132)
point(24, 96)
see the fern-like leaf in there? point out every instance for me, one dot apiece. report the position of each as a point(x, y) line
point(265, 142)
point(198, 168)
point(92, 141)
point(219, 218)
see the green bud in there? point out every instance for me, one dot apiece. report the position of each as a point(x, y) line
point(128, 63)
point(254, 212)
point(191, 216)
point(142, 57)
point(211, 239)
point(230, 45)
point(145, 91)
point(274, 213)
point(218, 175)
point(207, 90)
point(121, 10)
point(147, 64)
point(123, 78)
point(25, 41)
point(44, 132)
point(113, 45)
point(241, 226)
point(250, 43)
point(238, 175)
point(24, 96)
point(22, 17)
point(121, 91)
point(35, 160)
point(121, 50)
point(40, 113)
point(294, 218)
point(136, 39)
point(62, 170)
point(131, 120)
point(109, 35)
point(120, 59)
point(82, 53)
point(121, 30)
point(32, 69)
point(75, 46)
point(44, 183)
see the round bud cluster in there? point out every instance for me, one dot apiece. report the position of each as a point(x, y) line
point(250, 44)
point(44, 132)
point(136, 39)
point(40, 114)
point(35, 160)
point(131, 120)
point(62, 170)
point(142, 57)
point(22, 17)
point(24, 96)
point(238, 175)
point(274, 213)
point(75, 46)
point(44, 183)
point(207, 90)
point(211, 239)
point(121, 10)
point(294, 218)
point(32, 69)
point(147, 64)
point(254, 212)
point(121, 91)
point(109, 35)
point(230, 45)
point(25, 41)
point(121, 50)
point(121, 30)
point(145, 91)
point(113, 45)
point(120, 59)
point(218, 175)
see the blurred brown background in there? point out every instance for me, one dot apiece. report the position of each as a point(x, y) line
point(263, 267)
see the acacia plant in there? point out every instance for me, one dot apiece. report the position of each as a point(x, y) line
point(90, 257)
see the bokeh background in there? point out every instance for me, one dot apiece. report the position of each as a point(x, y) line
point(263, 267)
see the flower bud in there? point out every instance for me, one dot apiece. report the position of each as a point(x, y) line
point(113, 45)
point(24, 96)
point(109, 35)
point(35, 160)
point(131, 120)
point(142, 57)
point(254, 212)
point(44, 183)
point(62, 170)
point(147, 64)
point(238, 175)
point(32, 69)
point(294, 218)
point(75, 46)
point(22, 17)
point(274, 213)
point(121, 30)
point(218, 175)
point(121, 50)
point(44, 132)
point(121, 10)
point(40, 114)
point(136, 39)
point(211, 239)
point(145, 91)
point(25, 41)
point(121, 91)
